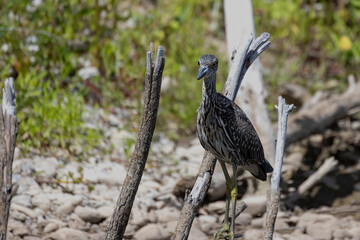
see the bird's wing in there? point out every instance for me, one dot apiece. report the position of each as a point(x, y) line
point(239, 130)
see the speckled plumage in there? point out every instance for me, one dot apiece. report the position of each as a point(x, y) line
point(224, 129)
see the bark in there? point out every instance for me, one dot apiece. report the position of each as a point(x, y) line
point(9, 126)
point(273, 195)
point(153, 76)
point(247, 52)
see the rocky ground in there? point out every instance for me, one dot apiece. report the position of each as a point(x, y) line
point(61, 198)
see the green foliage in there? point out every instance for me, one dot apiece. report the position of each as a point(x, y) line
point(313, 41)
point(45, 47)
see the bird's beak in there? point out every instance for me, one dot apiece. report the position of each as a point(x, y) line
point(202, 72)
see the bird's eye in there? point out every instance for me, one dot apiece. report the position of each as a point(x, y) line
point(199, 63)
point(213, 65)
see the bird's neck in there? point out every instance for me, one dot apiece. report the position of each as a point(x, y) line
point(209, 88)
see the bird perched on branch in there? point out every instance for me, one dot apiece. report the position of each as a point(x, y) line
point(225, 131)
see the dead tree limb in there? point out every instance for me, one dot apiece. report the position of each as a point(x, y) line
point(246, 53)
point(328, 165)
point(273, 195)
point(322, 115)
point(153, 76)
point(9, 126)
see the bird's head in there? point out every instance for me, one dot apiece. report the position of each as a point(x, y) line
point(208, 66)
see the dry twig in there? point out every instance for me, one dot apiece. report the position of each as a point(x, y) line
point(273, 195)
point(153, 76)
point(9, 126)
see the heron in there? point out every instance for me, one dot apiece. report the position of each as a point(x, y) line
point(225, 131)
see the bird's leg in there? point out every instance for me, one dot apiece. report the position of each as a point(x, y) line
point(234, 193)
point(225, 226)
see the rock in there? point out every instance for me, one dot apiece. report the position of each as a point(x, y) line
point(167, 214)
point(320, 231)
point(217, 207)
point(281, 224)
point(152, 232)
point(197, 234)
point(51, 227)
point(31, 238)
point(253, 234)
point(18, 216)
point(105, 211)
point(27, 211)
point(65, 209)
point(298, 236)
point(139, 218)
point(258, 222)
point(340, 234)
point(207, 223)
point(318, 226)
point(41, 201)
point(67, 234)
point(355, 233)
point(105, 172)
point(18, 228)
point(89, 214)
point(97, 236)
point(23, 200)
point(256, 205)
point(27, 185)
point(45, 166)
point(244, 219)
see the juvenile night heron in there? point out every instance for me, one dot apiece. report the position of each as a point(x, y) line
point(225, 131)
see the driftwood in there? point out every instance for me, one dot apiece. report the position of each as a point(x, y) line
point(273, 195)
point(153, 76)
point(319, 117)
point(8, 132)
point(328, 165)
point(247, 52)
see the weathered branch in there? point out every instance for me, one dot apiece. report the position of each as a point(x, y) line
point(322, 115)
point(273, 195)
point(153, 76)
point(247, 51)
point(9, 126)
point(328, 165)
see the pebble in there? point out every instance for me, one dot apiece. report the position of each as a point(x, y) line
point(152, 232)
point(207, 223)
point(256, 205)
point(45, 166)
point(41, 201)
point(65, 208)
point(197, 234)
point(23, 200)
point(17, 228)
point(253, 234)
point(89, 214)
point(67, 234)
point(27, 211)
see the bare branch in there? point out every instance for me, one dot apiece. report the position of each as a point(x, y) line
point(153, 76)
point(9, 126)
point(273, 196)
point(196, 197)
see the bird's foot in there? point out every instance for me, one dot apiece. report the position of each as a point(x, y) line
point(224, 233)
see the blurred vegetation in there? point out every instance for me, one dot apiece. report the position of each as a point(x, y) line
point(46, 45)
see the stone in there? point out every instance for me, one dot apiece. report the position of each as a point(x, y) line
point(31, 238)
point(197, 234)
point(105, 211)
point(258, 222)
point(244, 219)
point(89, 214)
point(320, 231)
point(207, 223)
point(23, 200)
point(152, 232)
point(217, 207)
point(318, 226)
point(17, 228)
point(97, 236)
point(65, 209)
point(67, 234)
point(27, 211)
point(252, 234)
point(45, 166)
point(340, 234)
point(139, 218)
point(256, 205)
point(355, 232)
point(167, 214)
point(297, 236)
point(51, 227)
point(281, 224)
point(41, 201)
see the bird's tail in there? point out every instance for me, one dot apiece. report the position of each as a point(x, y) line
point(259, 170)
